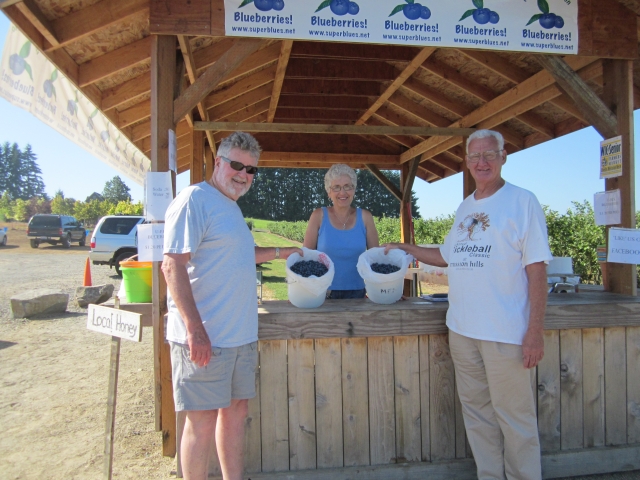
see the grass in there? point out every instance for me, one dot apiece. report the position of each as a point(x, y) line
point(261, 225)
point(274, 286)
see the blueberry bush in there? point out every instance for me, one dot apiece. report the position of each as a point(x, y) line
point(571, 234)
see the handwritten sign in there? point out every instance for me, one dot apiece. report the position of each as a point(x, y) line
point(624, 246)
point(607, 207)
point(158, 194)
point(611, 157)
point(150, 242)
point(114, 322)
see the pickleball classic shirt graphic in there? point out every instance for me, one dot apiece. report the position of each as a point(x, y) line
point(548, 26)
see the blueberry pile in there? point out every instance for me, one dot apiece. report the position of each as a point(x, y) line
point(306, 268)
point(384, 268)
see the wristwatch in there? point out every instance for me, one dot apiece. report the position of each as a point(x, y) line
point(277, 253)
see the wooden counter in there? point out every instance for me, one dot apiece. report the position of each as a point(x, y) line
point(358, 390)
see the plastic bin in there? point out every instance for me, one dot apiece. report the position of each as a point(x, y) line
point(136, 277)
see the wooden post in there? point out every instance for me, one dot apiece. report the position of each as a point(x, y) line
point(111, 407)
point(468, 182)
point(208, 162)
point(197, 156)
point(163, 67)
point(618, 95)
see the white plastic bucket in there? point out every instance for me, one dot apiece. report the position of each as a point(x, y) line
point(383, 288)
point(309, 292)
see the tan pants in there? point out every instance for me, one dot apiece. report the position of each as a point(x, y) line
point(498, 408)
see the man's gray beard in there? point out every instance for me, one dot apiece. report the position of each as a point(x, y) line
point(230, 189)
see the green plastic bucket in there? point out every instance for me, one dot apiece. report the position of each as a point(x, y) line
point(137, 281)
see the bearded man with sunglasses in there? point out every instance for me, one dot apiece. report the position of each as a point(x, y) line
point(496, 252)
point(209, 264)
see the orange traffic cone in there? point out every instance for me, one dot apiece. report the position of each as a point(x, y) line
point(87, 274)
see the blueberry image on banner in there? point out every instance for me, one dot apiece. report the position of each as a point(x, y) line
point(72, 106)
point(90, 119)
point(546, 19)
point(17, 62)
point(264, 5)
point(412, 10)
point(480, 14)
point(340, 7)
point(47, 86)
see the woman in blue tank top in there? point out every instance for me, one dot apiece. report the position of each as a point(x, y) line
point(342, 232)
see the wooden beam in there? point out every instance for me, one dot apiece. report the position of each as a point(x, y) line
point(408, 71)
point(339, 129)
point(99, 16)
point(136, 88)
point(395, 191)
point(355, 70)
point(594, 109)
point(134, 114)
point(190, 66)
point(181, 18)
point(242, 87)
point(231, 59)
point(283, 61)
point(509, 98)
point(437, 98)
point(408, 182)
point(353, 51)
point(243, 101)
point(197, 157)
point(116, 61)
point(163, 58)
point(328, 158)
point(32, 12)
point(330, 87)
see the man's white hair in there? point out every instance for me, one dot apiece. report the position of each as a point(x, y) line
point(478, 134)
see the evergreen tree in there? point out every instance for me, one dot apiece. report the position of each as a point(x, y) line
point(115, 190)
point(61, 205)
point(32, 184)
point(11, 159)
point(291, 194)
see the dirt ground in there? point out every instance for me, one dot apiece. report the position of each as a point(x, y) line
point(54, 374)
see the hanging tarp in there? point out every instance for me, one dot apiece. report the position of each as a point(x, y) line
point(515, 25)
point(30, 81)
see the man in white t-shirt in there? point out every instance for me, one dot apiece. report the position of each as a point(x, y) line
point(496, 252)
point(209, 264)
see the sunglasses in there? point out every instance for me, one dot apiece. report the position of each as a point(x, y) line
point(237, 166)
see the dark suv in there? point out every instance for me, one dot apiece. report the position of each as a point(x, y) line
point(56, 229)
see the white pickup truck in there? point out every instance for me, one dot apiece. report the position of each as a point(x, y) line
point(114, 239)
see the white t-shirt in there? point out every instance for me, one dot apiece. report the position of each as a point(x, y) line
point(208, 225)
point(490, 244)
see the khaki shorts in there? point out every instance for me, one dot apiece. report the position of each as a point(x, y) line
point(230, 374)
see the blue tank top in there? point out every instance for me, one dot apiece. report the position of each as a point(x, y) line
point(343, 247)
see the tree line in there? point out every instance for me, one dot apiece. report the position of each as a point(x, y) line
point(291, 194)
point(22, 192)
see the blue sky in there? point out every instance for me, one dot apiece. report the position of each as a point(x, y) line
point(558, 172)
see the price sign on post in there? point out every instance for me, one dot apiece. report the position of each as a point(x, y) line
point(607, 207)
point(150, 242)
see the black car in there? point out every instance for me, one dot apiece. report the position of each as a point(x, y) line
point(56, 229)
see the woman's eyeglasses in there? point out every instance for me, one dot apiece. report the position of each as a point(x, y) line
point(237, 166)
point(337, 188)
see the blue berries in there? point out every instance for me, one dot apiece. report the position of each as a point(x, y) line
point(480, 14)
point(384, 268)
point(340, 7)
point(48, 88)
point(16, 64)
point(307, 268)
point(265, 5)
point(546, 19)
point(354, 8)
point(412, 10)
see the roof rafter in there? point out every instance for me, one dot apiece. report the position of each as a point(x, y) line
point(283, 61)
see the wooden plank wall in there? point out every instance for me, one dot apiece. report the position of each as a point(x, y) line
point(332, 403)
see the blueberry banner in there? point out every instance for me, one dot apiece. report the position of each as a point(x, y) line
point(548, 26)
point(30, 81)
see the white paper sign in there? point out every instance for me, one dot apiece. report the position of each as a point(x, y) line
point(173, 151)
point(547, 27)
point(118, 323)
point(607, 207)
point(150, 242)
point(611, 157)
point(624, 246)
point(158, 194)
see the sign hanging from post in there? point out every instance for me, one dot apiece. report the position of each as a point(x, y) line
point(624, 246)
point(158, 194)
point(485, 24)
point(611, 157)
point(114, 322)
point(607, 207)
point(150, 242)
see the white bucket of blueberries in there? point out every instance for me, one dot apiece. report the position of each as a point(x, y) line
point(308, 278)
point(384, 274)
